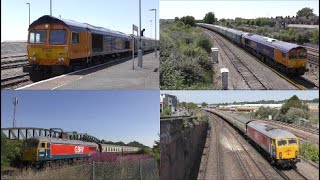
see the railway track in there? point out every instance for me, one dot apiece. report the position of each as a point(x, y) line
point(250, 78)
point(14, 80)
point(289, 174)
point(284, 173)
point(311, 130)
point(299, 82)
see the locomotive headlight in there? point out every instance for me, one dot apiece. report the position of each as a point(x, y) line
point(60, 59)
point(280, 155)
point(33, 58)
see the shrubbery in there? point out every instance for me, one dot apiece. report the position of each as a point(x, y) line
point(290, 112)
point(185, 58)
point(309, 151)
point(10, 151)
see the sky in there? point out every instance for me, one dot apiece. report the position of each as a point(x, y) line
point(113, 14)
point(214, 97)
point(169, 9)
point(116, 115)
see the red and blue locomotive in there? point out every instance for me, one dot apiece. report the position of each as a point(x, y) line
point(40, 150)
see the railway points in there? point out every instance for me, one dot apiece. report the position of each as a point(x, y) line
point(112, 75)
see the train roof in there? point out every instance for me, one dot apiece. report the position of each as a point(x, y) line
point(221, 27)
point(114, 145)
point(237, 32)
point(76, 26)
point(242, 119)
point(274, 43)
point(270, 131)
point(62, 141)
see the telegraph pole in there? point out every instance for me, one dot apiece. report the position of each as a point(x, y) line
point(15, 102)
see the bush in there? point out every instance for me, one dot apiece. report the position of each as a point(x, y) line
point(309, 151)
point(185, 58)
point(204, 43)
point(10, 151)
point(294, 114)
point(264, 112)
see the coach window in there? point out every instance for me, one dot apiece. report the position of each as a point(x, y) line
point(75, 38)
point(127, 45)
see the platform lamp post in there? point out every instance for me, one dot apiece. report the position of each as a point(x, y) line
point(155, 30)
point(50, 7)
point(140, 50)
point(29, 12)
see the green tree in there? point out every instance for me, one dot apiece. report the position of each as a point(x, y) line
point(167, 111)
point(204, 104)
point(10, 151)
point(209, 18)
point(183, 104)
point(188, 20)
point(264, 112)
point(294, 101)
point(176, 19)
point(191, 106)
point(223, 20)
point(294, 114)
point(305, 12)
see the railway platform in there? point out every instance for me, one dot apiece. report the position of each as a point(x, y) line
point(115, 75)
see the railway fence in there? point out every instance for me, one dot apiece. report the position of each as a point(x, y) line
point(138, 169)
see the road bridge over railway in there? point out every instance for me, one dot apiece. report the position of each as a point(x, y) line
point(28, 132)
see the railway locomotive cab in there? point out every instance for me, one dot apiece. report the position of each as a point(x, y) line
point(56, 46)
point(288, 58)
point(38, 151)
point(279, 145)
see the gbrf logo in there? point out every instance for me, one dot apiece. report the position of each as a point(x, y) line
point(78, 149)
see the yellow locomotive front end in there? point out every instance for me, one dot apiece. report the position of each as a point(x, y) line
point(29, 151)
point(287, 151)
point(47, 51)
point(47, 45)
